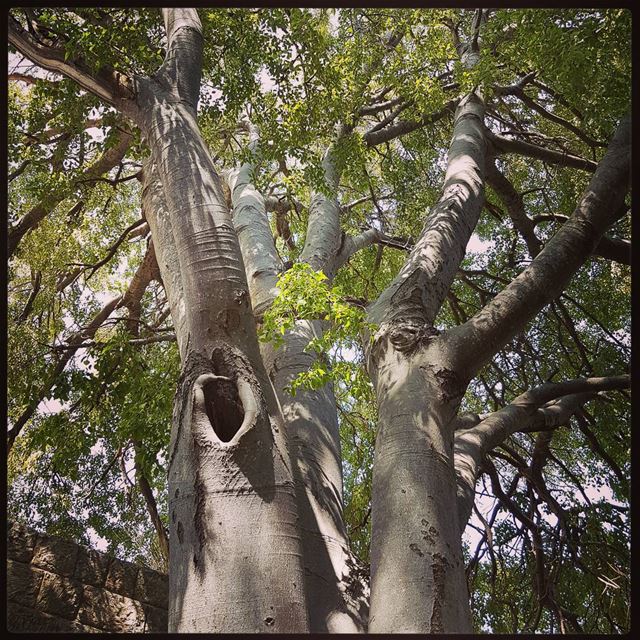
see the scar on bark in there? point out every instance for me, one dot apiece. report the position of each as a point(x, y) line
point(451, 385)
point(439, 568)
point(410, 335)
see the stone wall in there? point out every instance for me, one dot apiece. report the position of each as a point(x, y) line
point(54, 585)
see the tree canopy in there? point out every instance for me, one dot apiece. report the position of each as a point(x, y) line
point(92, 358)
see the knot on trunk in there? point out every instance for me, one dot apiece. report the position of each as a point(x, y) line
point(408, 336)
point(452, 387)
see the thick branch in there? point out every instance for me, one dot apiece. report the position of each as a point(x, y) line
point(107, 84)
point(182, 67)
point(353, 244)
point(418, 291)
point(507, 314)
point(132, 299)
point(534, 410)
point(155, 211)
point(515, 208)
point(403, 127)
point(261, 260)
point(507, 145)
point(616, 249)
point(323, 230)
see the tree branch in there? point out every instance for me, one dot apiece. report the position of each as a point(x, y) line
point(107, 84)
point(155, 212)
point(259, 254)
point(323, 229)
point(534, 410)
point(417, 292)
point(472, 344)
point(532, 104)
point(616, 249)
point(373, 137)
point(74, 343)
point(150, 502)
point(506, 145)
point(512, 200)
point(182, 66)
point(30, 221)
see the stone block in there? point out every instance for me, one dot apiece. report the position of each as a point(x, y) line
point(152, 587)
point(110, 611)
point(121, 578)
point(25, 620)
point(23, 583)
point(55, 555)
point(91, 567)
point(155, 620)
point(59, 596)
point(20, 542)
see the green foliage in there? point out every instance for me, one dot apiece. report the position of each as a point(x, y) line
point(304, 294)
point(298, 74)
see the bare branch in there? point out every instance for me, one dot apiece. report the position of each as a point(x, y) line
point(515, 207)
point(403, 127)
point(616, 249)
point(261, 260)
point(506, 145)
point(534, 410)
point(74, 342)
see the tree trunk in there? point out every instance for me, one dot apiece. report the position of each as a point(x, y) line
point(337, 596)
point(417, 571)
point(235, 550)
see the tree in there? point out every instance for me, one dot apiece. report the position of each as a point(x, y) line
point(297, 189)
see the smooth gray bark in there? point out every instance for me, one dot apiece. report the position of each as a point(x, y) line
point(337, 596)
point(233, 489)
point(417, 292)
point(154, 209)
point(417, 571)
point(261, 260)
point(323, 238)
point(236, 556)
point(337, 599)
